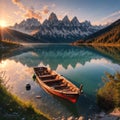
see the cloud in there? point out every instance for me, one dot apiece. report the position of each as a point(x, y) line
point(19, 4)
point(16, 1)
point(17, 12)
point(53, 5)
point(30, 12)
point(114, 14)
point(110, 18)
point(45, 10)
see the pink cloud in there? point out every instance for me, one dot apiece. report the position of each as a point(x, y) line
point(45, 10)
point(19, 4)
point(53, 5)
point(110, 18)
point(30, 12)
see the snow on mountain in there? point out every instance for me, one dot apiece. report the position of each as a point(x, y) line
point(66, 21)
point(55, 30)
point(65, 30)
point(75, 22)
point(53, 18)
point(27, 26)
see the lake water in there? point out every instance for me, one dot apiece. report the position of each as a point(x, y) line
point(84, 65)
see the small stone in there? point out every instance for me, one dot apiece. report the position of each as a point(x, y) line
point(23, 119)
point(11, 109)
point(81, 118)
point(89, 119)
point(70, 118)
point(38, 96)
point(102, 114)
point(63, 118)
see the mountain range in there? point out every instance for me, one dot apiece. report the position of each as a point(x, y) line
point(108, 35)
point(27, 26)
point(55, 30)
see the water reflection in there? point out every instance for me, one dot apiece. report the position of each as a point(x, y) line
point(54, 55)
point(79, 53)
point(110, 51)
point(80, 65)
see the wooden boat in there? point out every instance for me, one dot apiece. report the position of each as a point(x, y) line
point(57, 84)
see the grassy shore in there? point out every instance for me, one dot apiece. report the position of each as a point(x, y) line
point(96, 44)
point(5, 44)
point(12, 108)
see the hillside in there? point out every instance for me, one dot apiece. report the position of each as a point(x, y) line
point(108, 35)
point(18, 37)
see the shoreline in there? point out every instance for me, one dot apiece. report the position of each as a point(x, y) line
point(115, 112)
point(35, 44)
point(12, 107)
point(96, 44)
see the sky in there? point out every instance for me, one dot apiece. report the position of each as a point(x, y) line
point(95, 11)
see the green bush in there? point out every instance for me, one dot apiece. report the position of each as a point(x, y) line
point(108, 97)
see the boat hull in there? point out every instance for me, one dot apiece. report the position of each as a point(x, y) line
point(70, 97)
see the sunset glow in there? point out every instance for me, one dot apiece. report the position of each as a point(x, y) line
point(3, 23)
point(18, 10)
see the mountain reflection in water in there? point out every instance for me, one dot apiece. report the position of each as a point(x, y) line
point(54, 55)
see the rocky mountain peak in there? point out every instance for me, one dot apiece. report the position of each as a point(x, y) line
point(66, 19)
point(53, 18)
point(33, 21)
point(75, 21)
point(28, 22)
point(45, 22)
point(87, 23)
point(27, 25)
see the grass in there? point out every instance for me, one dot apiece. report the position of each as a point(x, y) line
point(8, 44)
point(8, 47)
point(7, 41)
point(12, 108)
point(97, 44)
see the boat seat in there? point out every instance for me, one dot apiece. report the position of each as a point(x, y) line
point(42, 74)
point(52, 80)
point(62, 86)
point(47, 76)
point(66, 90)
point(40, 69)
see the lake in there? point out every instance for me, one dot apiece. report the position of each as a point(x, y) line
point(81, 65)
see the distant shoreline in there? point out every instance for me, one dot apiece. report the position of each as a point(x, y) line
point(34, 44)
point(97, 44)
